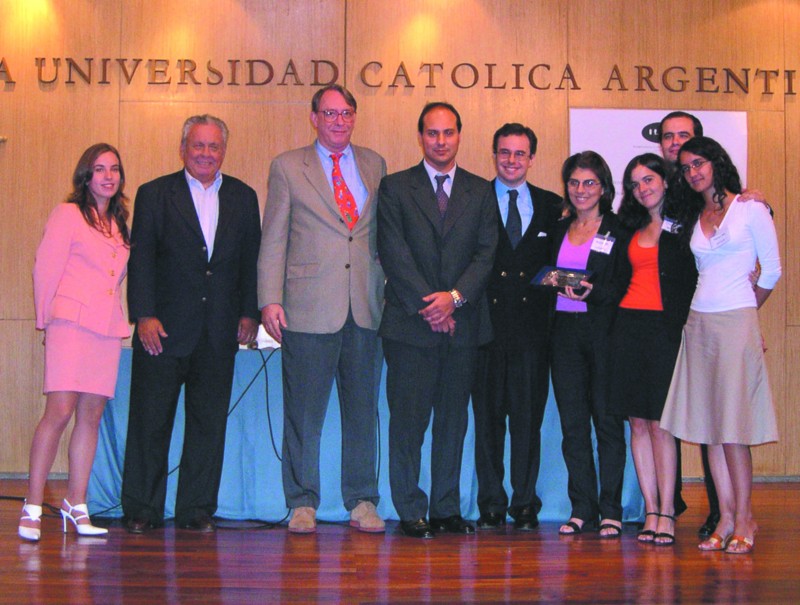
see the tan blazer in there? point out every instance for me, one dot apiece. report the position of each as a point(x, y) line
point(309, 261)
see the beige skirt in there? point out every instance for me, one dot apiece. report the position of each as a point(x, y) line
point(720, 389)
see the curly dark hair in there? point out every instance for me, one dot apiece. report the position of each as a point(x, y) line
point(688, 203)
point(82, 197)
point(631, 213)
point(589, 160)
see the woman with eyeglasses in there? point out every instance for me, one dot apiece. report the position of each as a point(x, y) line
point(79, 267)
point(720, 392)
point(661, 276)
point(591, 239)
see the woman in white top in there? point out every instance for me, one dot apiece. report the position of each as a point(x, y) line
point(720, 391)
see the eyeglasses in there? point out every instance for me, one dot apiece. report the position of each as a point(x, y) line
point(505, 154)
point(330, 115)
point(587, 184)
point(696, 165)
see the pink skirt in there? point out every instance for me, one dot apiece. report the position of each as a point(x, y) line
point(79, 360)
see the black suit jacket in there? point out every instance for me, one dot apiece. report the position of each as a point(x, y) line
point(608, 280)
point(422, 254)
point(520, 311)
point(677, 276)
point(170, 276)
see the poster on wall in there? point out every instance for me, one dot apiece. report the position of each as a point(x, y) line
point(620, 134)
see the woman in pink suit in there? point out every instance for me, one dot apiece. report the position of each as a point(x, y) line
point(80, 264)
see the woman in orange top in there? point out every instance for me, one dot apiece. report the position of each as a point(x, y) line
point(646, 336)
point(80, 264)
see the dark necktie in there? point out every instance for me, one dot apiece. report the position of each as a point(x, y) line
point(344, 199)
point(514, 221)
point(441, 197)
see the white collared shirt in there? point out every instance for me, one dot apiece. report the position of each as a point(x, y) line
point(206, 204)
point(432, 173)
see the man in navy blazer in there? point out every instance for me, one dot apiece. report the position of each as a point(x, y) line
point(436, 240)
point(513, 378)
point(192, 296)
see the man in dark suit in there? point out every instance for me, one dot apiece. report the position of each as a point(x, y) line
point(192, 295)
point(513, 371)
point(675, 129)
point(437, 235)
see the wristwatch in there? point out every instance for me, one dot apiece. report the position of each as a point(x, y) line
point(458, 300)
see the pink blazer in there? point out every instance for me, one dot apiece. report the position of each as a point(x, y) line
point(77, 274)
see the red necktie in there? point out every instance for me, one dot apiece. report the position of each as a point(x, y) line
point(344, 199)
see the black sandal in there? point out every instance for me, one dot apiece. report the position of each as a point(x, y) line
point(648, 534)
point(578, 529)
point(616, 534)
point(670, 538)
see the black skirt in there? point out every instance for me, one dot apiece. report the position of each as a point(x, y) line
point(644, 348)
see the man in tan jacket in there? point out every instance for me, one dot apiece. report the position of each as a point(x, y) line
point(320, 290)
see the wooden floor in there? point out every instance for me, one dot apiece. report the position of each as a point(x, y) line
point(339, 564)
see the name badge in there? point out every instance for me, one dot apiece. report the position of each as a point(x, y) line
point(671, 226)
point(603, 243)
point(719, 239)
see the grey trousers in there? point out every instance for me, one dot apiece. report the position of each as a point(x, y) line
point(311, 362)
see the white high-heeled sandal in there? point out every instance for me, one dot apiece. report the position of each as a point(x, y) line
point(78, 513)
point(31, 512)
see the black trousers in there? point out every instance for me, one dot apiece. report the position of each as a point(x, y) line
point(512, 385)
point(421, 381)
point(580, 383)
point(155, 386)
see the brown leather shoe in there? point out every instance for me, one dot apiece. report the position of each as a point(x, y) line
point(364, 517)
point(303, 521)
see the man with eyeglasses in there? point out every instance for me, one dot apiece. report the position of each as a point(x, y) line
point(320, 290)
point(512, 380)
point(436, 236)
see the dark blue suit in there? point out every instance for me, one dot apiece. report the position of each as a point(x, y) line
point(199, 302)
point(427, 371)
point(513, 377)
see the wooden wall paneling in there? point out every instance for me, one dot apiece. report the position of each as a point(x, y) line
point(705, 33)
point(788, 436)
point(767, 172)
point(151, 133)
point(451, 32)
point(47, 125)
point(791, 252)
point(22, 366)
point(227, 31)
point(791, 248)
